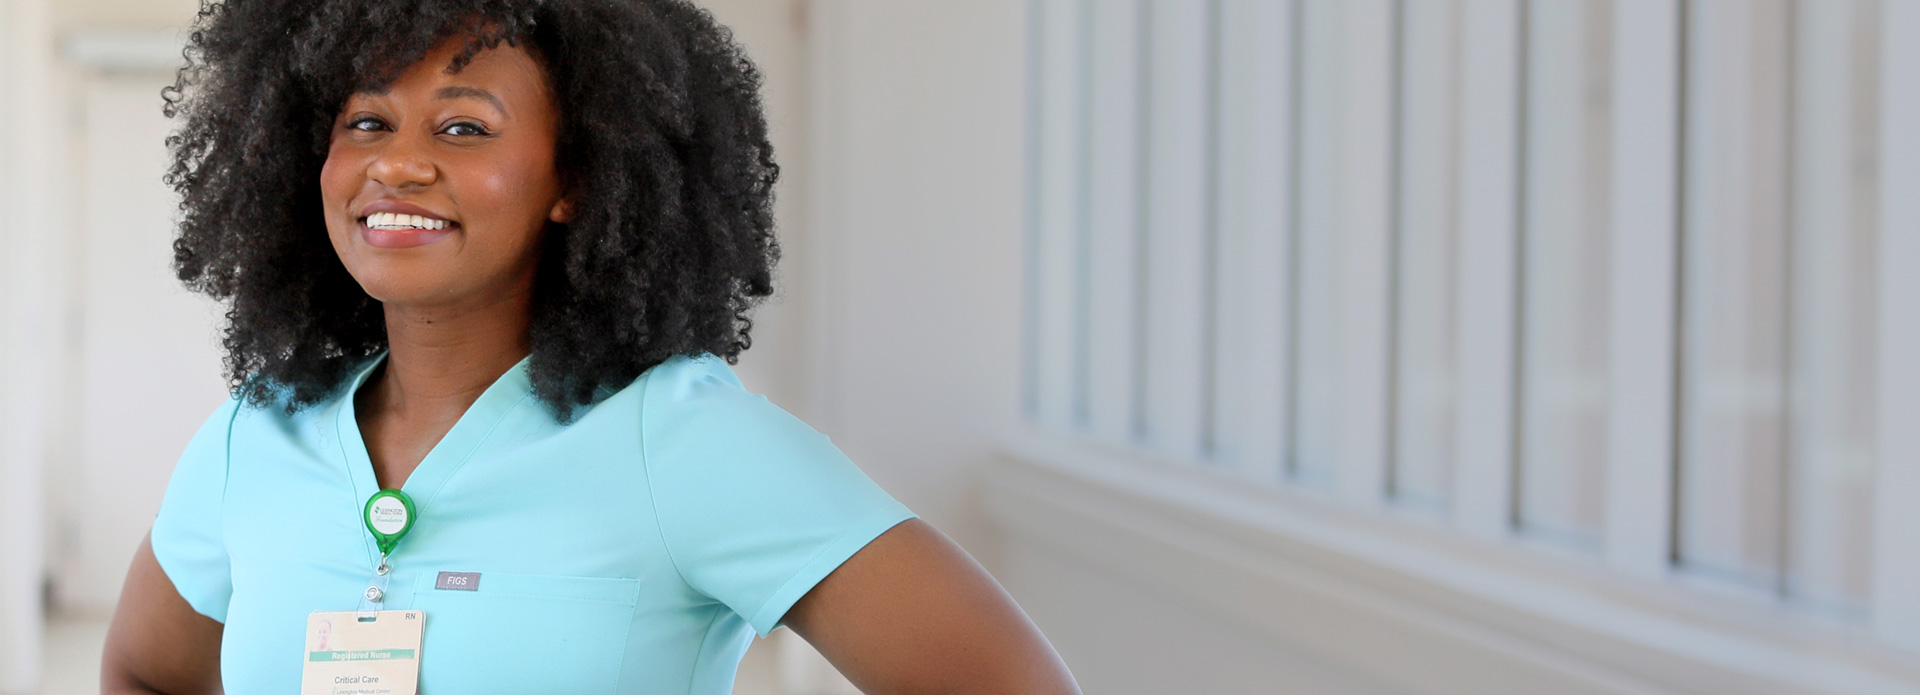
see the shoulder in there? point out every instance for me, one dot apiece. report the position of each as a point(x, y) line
point(206, 456)
point(230, 411)
point(693, 408)
point(238, 425)
point(262, 404)
point(690, 377)
point(753, 505)
point(687, 389)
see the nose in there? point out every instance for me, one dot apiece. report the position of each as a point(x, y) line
point(403, 164)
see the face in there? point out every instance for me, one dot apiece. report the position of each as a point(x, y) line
point(436, 189)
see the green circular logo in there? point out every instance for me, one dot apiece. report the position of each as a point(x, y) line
point(389, 516)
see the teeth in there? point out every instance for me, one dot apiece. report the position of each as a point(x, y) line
point(388, 220)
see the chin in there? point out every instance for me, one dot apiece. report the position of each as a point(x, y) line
point(395, 283)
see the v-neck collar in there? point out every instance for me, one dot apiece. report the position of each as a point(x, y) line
point(502, 397)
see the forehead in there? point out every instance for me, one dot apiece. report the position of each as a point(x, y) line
point(505, 71)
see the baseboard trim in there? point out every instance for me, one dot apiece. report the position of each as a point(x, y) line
point(1415, 607)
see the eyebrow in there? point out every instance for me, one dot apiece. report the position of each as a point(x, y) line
point(460, 92)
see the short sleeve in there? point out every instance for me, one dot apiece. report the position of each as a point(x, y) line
point(187, 539)
point(755, 507)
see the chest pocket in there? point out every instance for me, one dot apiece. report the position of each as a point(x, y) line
point(524, 633)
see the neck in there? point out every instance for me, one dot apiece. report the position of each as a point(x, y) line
point(440, 359)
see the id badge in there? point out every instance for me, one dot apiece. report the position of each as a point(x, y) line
point(350, 656)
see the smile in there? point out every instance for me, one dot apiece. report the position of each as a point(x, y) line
point(387, 221)
point(387, 230)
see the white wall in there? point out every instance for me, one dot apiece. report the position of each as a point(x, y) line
point(122, 15)
point(28, 328)
point(915, 229)
point(147, 364)
point(99, 330)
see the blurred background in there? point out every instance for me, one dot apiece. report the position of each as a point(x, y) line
point(1257, 346)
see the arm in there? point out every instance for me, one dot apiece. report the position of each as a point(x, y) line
point(913, 613)
point(157, 643)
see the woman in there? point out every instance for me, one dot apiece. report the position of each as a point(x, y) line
point(487, 263)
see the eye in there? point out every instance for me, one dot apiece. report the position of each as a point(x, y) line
point(366, 124)
point(464, 128)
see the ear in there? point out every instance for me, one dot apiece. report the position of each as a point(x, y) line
point(562, 211)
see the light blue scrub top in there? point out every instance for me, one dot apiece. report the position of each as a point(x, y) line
point(634, 550)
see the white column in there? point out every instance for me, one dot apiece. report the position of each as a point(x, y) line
point(1489, 136)
point(30, 314)
point(1179, 222)
point(1895, 604)
point(1367, 102)
point(1314, 452)
point(1114, 205)
point(1734, 322)
point(1427, 258)
point(1564, 244)
point(1646, 112)
point(1828, 546)
point(1058, 167)
point(1255, 278)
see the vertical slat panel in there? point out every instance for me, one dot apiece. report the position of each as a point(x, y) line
point(1081, 411)
point(1115, 196)
point(1733, 325)
point(1646, 110)
point(1564, 243)
point(1489, 77)
point(1342, 306)
point(1427, 254)
point(1895, 605)
point(1253, 279)
point(1367, 102)
point(1179, 224)
point(1056, 177)
point(1317, 375)
point(1830, 457)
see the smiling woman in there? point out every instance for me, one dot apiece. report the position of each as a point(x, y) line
point(487, 266)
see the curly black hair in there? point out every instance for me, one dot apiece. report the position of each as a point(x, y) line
point(662, 146)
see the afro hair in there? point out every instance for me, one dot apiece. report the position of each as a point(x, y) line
point(662, 145)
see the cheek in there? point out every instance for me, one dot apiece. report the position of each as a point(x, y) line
point(509, 196)
point(514, 185)
point(339, 178)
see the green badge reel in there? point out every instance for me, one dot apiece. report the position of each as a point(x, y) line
point(389, 515)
